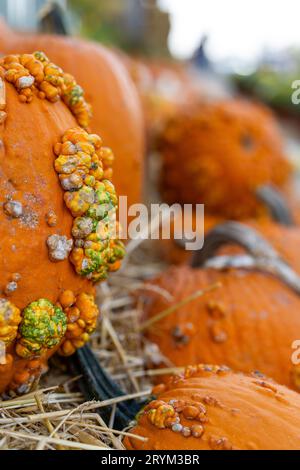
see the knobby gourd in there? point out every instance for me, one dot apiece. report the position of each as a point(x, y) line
point(117, 114)
point(218, 154)
point(213, 408)
point(249, 322)
point(56, 217)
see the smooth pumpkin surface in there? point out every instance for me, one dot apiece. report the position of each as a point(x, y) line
point(117, 114)
point(229, 148)
point(248, 323)
point(218, 409)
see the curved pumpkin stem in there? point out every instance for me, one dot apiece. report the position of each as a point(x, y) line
point(275, 202)
point(233, 233)
point(261, 255)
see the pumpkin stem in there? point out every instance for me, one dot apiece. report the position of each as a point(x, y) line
point(261, 255)
point(275, 202)
point(96, 384)
point(233, 233)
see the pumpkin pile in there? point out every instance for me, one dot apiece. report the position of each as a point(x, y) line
point(56, 218)
point(252, 314)
point(66, 111)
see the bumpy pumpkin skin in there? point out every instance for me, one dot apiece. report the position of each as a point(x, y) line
point(27, 175)
point(229, 148)
point(117, 114)
point(46, 162)
point(219, 410)
point(248, 323)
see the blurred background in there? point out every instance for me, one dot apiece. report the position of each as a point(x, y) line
point(179, 50)
point(254, 46)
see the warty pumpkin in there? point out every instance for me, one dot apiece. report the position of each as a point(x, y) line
point(249, 322)
point(218, 153)
point(56, 237)
point(213, 408)
point(117, 114)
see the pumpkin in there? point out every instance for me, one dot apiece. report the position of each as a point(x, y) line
point(56, 239)
point(213, 408)
point(229, 148)
point(117, 114)
point(249, 322)
point(274, 225)
point(164, 86)
point(173, 250)
point(285, 241)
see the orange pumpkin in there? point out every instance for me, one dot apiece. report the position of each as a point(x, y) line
point(164, 87)
point(173, 250)
point(55, 192)
point(213, 408)
point(249, 322)
point(278, 214)
point(285, 240)
point(218, 154)
point(117, 114)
